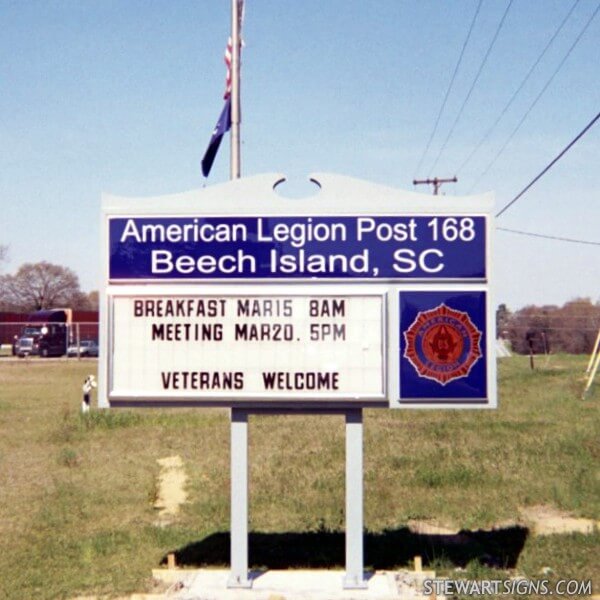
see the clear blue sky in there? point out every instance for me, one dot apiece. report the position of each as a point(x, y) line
point(122, 96)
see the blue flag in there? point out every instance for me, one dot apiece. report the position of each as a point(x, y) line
point(223, 125)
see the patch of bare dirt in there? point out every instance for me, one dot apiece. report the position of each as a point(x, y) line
point(429, 527)
point(171, 489)
point(546, 520)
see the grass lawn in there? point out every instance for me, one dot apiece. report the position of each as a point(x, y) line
point(76, 492)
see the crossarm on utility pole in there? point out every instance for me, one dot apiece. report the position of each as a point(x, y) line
point(436, 182)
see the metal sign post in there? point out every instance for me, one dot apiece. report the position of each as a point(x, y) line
point(354, 578)
point(239, 574)
point(238, 577)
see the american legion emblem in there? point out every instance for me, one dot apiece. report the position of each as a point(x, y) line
point(442, 344)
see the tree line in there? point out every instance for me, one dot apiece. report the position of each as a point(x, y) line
point(37, 286)
point(570, 328)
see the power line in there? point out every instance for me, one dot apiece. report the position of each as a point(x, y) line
point(552, 163)
point(548, 237)
point(559, 317)
point(518, 90)
point(462, 108)
point(439, 115)
point(534, 325)
point(533, 104)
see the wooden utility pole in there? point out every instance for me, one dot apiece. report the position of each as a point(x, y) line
point(435, 182)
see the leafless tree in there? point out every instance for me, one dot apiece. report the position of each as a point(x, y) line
point(40, 285)
point(570, 328)
point(3, 290)
point(93, 300)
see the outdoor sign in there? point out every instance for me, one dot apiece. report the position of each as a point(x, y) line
point(247, 346)
point(442, 345)
point(359, 296)
point(445, 247)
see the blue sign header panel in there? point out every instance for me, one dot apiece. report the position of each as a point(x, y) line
point(432, 247)
point(443, 340)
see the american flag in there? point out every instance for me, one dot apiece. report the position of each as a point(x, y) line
point(224, 123)
point(228, 53)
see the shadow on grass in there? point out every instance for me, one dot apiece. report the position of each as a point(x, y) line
point(386, 550)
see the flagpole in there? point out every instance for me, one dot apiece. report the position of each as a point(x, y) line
point(238, 543)
point(235, 167)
